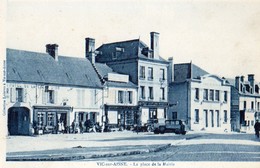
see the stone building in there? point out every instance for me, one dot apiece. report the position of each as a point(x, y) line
point(245, 105)
point(44, 89)
point(119, 93)
point(145, 68)
point(200, 99)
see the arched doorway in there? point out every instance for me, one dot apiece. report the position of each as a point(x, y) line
point(18, 121)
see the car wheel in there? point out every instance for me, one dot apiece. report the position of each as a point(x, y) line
point(162, 130)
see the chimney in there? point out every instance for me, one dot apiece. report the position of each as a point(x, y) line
point(52, 50)
point(251, 80)
point(237, 83)
point(242, 78)
point(155, 44)
point(171, 70)
point(90, 49)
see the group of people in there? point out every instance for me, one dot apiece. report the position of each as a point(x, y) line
point(87, 126)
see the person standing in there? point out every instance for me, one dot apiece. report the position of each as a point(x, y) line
point(257, 128)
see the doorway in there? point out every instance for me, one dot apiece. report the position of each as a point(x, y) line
point(19, 121)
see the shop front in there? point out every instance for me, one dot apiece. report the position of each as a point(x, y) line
point(151, 111)
point(51, 119)
point(85, 121)
point(121, 117)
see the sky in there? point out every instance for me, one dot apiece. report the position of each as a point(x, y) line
point(222, 37)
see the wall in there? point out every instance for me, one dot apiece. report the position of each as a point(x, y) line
point(128, 67)
point(210, 83)
point(90, 100)
point(156, 83)
point(178, 100)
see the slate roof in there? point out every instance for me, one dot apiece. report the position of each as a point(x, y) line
point(185, 71)
point(132, 50)
point(34, 67)
point(104, 69)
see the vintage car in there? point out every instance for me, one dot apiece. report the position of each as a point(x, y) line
point(176, 126)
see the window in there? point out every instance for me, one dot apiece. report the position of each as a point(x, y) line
point(142, 72)
point(142, 92)
point(130, 97)
point(152, 113)
point(40, 119)
point(258, 106)
point(217, 113)
point(212, 118)
point(197, 116)
point(174, 115)
point(225, 116)
point(211, 95)
point(217, 95)
point(114, 55)
point(205, 94)
point(19, 95)
point(150, 92)
point(206, 117)
point(162, 94)
point(197, 95)
point(244, 104)
point(162, 74)
point(50, 96)
point(120, 97)
point(51, 119)
point(225, 96)
point(150, 73)
point(252, 105)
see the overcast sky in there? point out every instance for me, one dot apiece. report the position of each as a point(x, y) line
point(222, 37)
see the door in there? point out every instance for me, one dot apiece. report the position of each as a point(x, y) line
point(18, 121)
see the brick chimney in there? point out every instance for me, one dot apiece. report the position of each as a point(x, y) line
point(90, 49)
point(251, 80)
point(155, 44)
point(171, 70)
point(237, 83)
point(52, 50)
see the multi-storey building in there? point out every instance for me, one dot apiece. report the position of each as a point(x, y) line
point(44, 90)
point(245, 105)
point(200, 99)
point(119, 94)
point(145, 68)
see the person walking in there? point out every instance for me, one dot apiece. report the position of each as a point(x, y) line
point(257, 128)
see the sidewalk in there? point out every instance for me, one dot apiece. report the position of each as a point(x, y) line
point(61, 147)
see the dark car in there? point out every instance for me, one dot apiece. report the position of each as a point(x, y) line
point(176, 126)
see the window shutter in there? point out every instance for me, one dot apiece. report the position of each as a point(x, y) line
point(44, 96)
point(116, 96)
point(25, 95)
point(12, 95)
point(55, 97)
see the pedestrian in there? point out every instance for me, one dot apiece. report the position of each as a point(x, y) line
point(81, 127)
point(257, 128)
point(73, 126)
point(59, 127)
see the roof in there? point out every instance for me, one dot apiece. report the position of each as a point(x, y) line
point(104, 69)
point(34, 67)
point(186, 71)
point(131, 49)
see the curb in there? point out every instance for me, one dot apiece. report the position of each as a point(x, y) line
point(80, 157)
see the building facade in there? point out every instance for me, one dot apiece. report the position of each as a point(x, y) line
point(200, 99)
point(145, 68)
point(245, 105)
point(45, 90)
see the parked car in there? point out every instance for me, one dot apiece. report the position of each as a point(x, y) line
point(176, 126)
